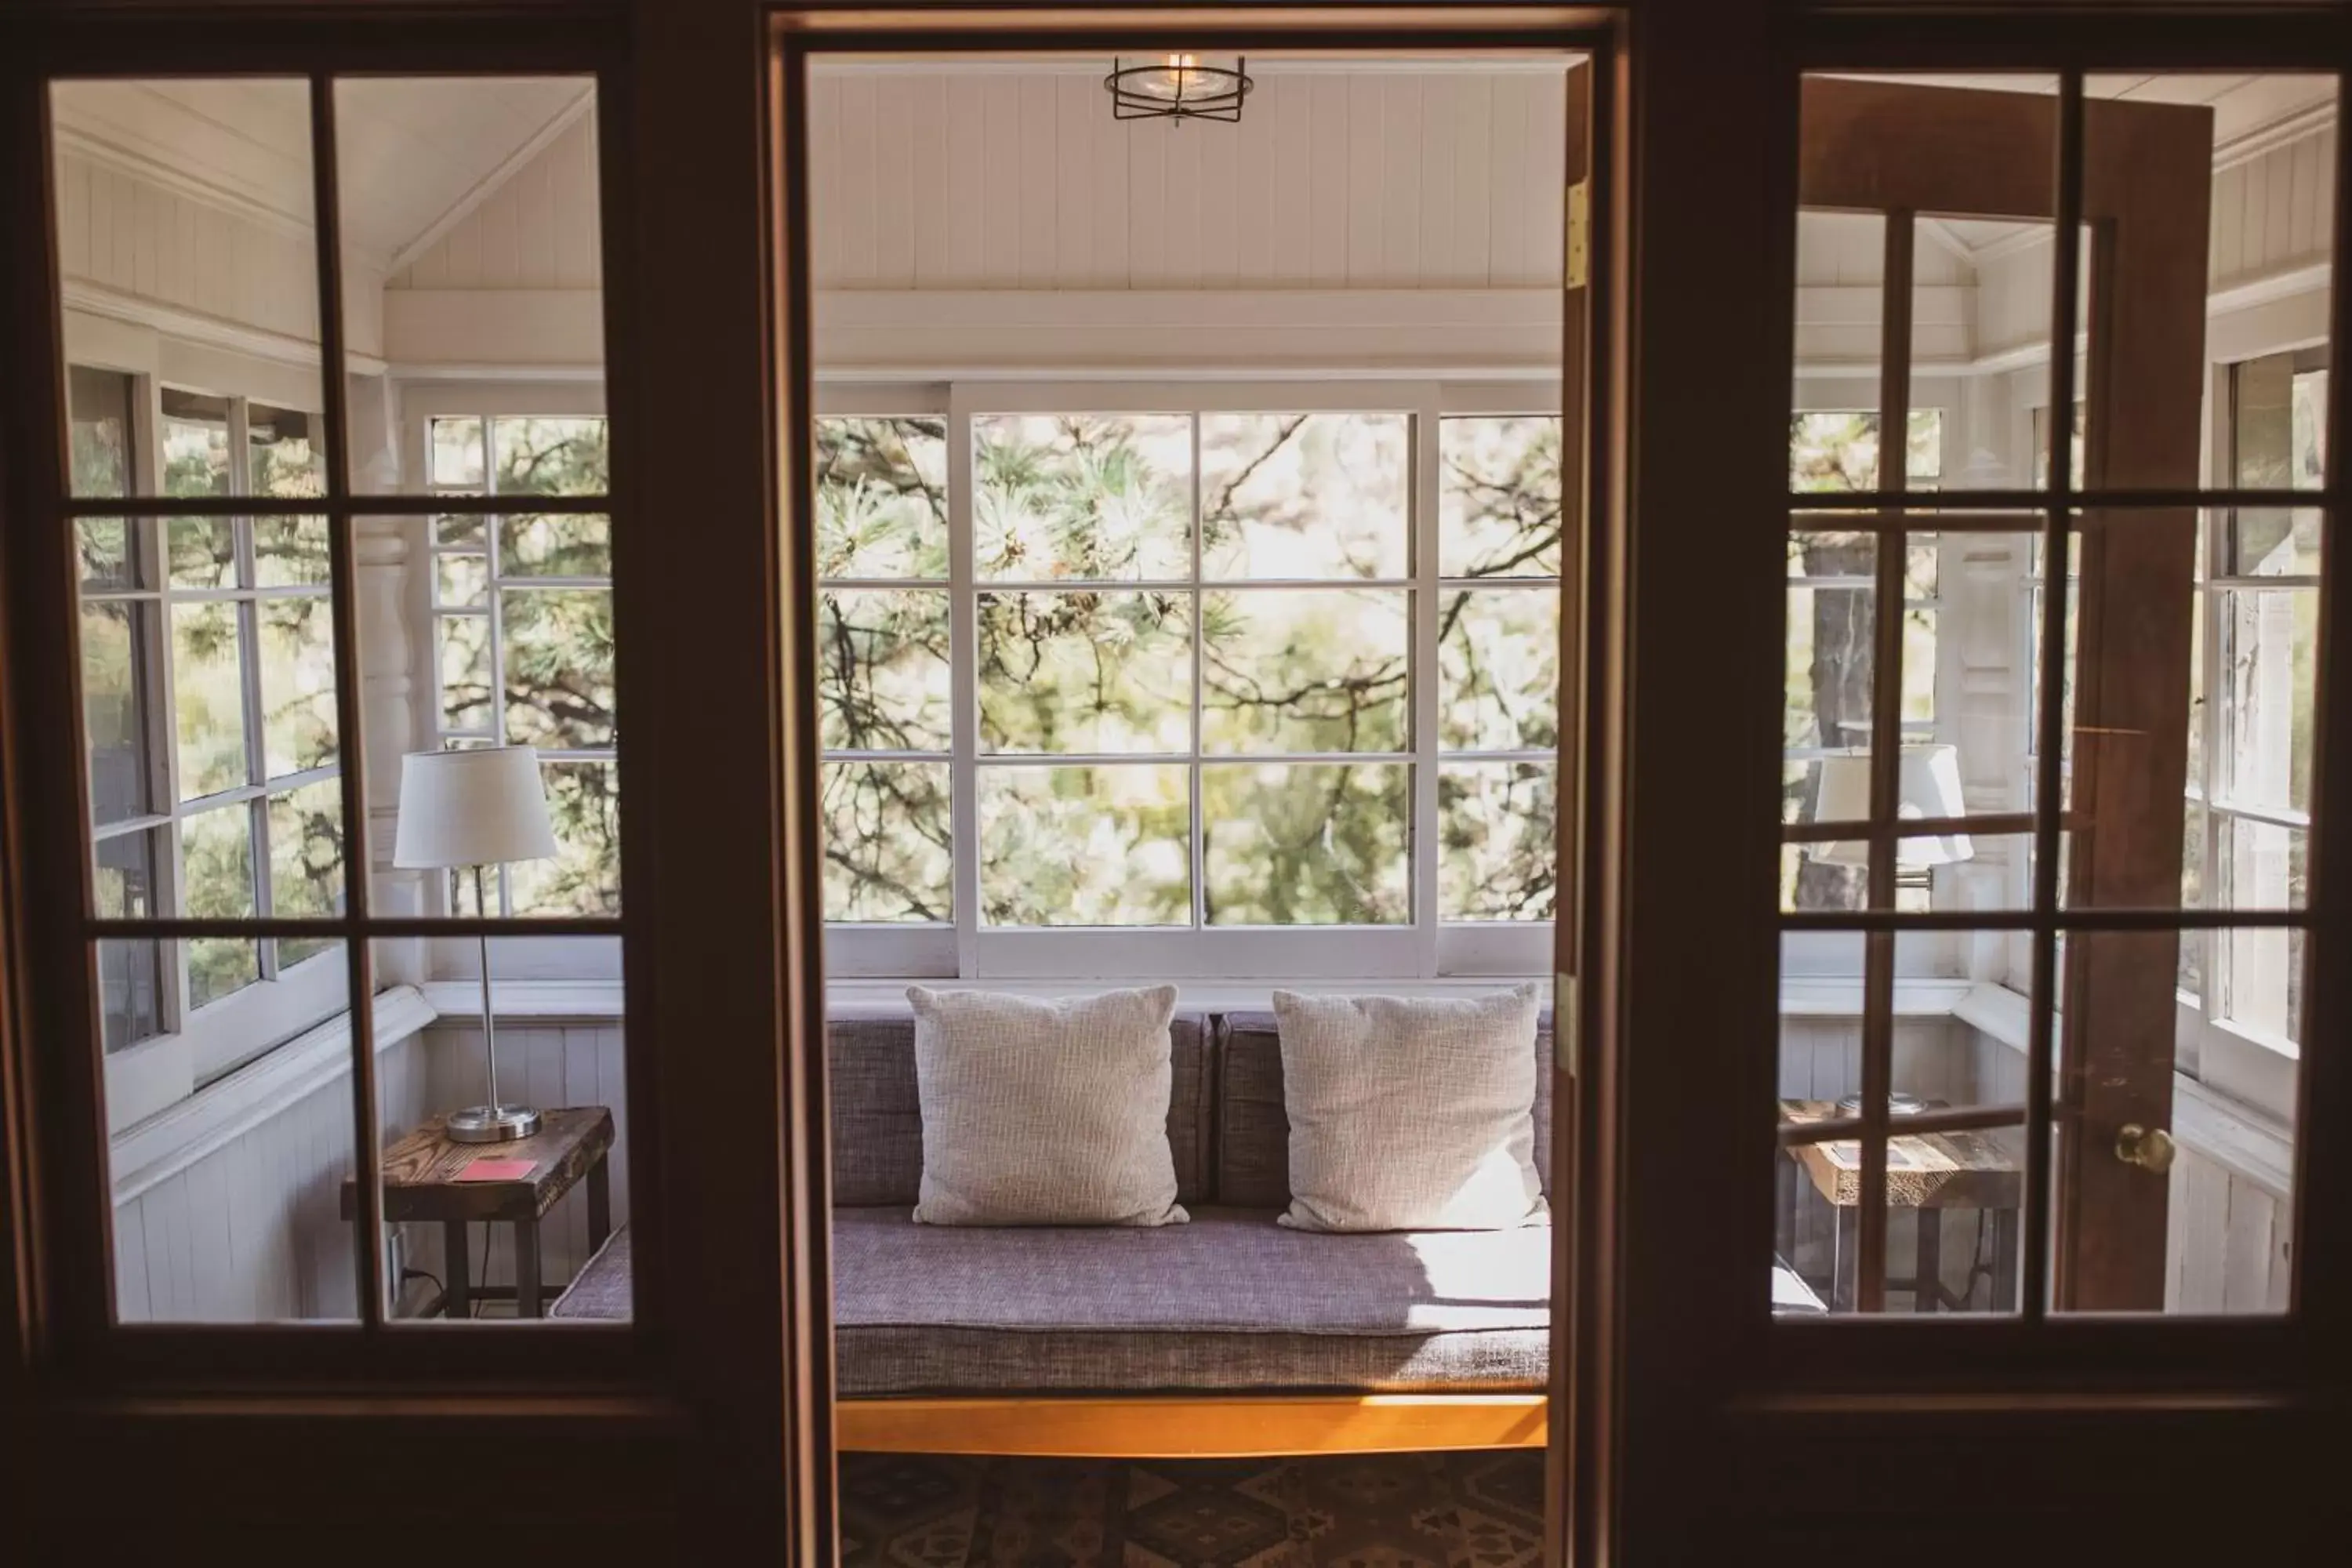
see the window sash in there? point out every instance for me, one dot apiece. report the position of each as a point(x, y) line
point(1423, 947)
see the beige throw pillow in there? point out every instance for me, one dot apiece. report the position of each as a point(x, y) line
point(1044, 1112)
point(1411, 1115)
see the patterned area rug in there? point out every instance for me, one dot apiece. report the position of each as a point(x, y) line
point(1389, 1510)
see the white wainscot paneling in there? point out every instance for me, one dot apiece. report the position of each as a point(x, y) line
point(141, 239)
point(1014, 179)
point(239, 1220)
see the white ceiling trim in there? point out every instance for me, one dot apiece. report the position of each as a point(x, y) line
point(2311, 121)
point(484, 188)
point(179, 181)
point(197, 327)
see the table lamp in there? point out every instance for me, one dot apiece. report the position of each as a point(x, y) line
point(481, 807)
point(1928, 786)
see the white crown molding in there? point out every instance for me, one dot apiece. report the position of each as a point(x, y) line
point(196, 327)
point(2312, 120)
point(484, 188)
point(73, 141)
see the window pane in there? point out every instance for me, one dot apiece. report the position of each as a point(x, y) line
point(584, 878)
point(882, 497)
point(2264, 866)
point(2263, 988)
point(882, 669)
point(202, 553)
point(287, 461)
point(461, 531)
point(461, 581)
point(465, 672)
point(291, 551)
point(1317, 844)
point(549, 456)
point(1303, 495)
point(130, 993)
point(1498, 497)
point(559, 666)
point(98, 407)
point(1498, 668)
point(458, 453)
point(306, 851)
point(1083, 671)
point(208, 696)
point(1085, 497)
point(1319, 671)
point(109, 550)
point(555, 545)
point(195, 444)
point(298, 685)
point(216, 869)
point(2269, 640)
point(1086, 845)
point(1498, 841)
point(114, 652)
point(1837, 449)
point(885, 842)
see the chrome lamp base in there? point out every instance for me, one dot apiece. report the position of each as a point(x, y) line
point(492, 1123)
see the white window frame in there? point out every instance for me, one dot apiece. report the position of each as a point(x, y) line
point(196, 1046)
point(1424, 949)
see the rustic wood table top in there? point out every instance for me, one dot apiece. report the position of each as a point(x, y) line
point(1924, 1170)
point(422, 1171)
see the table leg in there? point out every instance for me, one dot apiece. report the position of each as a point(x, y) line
point(1927, 1262)
point(2005, 1260)
point(1842, 1257)
point(457, 1296)
point(600, 1203)
point(526, 1245)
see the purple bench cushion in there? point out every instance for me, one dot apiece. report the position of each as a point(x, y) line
point(1253, 1133)
point(1230, 1300)
point(877, 1116)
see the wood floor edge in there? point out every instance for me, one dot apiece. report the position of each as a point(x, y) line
point(1191, 1425)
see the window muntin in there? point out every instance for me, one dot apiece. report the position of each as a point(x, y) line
point(208, 697)
point(522, 618)
point(1218, 679)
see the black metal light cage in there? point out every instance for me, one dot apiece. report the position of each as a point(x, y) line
point(1223, 103)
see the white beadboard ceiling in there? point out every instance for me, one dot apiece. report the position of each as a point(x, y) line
point(417, 153)
point(1381, 178)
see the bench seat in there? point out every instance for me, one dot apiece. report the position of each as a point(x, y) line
point(1230, 1300)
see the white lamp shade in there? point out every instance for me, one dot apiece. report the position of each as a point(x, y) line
point(1927, 786)
point(480, 807)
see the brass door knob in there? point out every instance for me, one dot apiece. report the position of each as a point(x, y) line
point(2149, 1148)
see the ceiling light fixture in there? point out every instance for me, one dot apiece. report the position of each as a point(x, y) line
point(1179, 88)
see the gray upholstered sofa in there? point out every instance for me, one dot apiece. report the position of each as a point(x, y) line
point(1230, 1302)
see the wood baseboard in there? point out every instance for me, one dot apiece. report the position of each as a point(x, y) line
point(1162, 1427)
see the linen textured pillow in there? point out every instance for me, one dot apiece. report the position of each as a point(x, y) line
point(1044, 1112)
point(1411, 1115)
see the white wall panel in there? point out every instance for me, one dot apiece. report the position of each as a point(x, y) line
point(251, 1231)
point(1011, 180)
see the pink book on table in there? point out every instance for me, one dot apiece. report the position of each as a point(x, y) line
point(497, 1171)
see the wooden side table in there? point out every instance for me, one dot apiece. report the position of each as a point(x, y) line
point(421, 1183)
point(1929, 1172)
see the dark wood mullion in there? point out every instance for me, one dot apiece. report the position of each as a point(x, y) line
point(1963, 1118)
point(1885, 750)
point(311, 505)
point(2015, 504)
point(350, 742)
point(2143, 918)
point(2321, 1286)
point(2050, 731)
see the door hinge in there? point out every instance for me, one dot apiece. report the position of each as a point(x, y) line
point(1579, 232)
point(1567, 1017)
